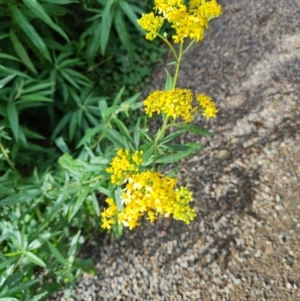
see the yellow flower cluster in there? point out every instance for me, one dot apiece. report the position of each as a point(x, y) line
point(178, 103)
point(124, 163)
point(146, 192)
point(188, 23)
point(149, 193)
point(151, 24)
point(208, 107)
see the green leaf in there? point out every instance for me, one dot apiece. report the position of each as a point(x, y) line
point(129, 11)
point(39, 12)
point(118, 195)
point(195, 129)
point(9, 57)
point(136, 134)
point(169, 81)
point(172, 173)
point(180, 155)
point(69, 78)
point(148, 150)
point(57, 255)
point(61, 125)
point(23, 286)
point(12, 71)
point(117, 99)
point(6, 80)
point(115, 137)
point(8, 299)
point(30, 31)
point(171, 136)
point(106, 22)
point(81, 198)
point(8, 262)
point(34, 259)
point(89, 134)
point(34, 98)
point(95, 204)
point(61, 144)
point(13, 119)
point(123, 129)
point(121, 29)
point(39, 87)
point(21, 52)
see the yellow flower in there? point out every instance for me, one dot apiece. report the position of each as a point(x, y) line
point(188, 23)
point(208, 107)
point(174, 103)
point(149, 193)
point(151, 24)
point(124, 163)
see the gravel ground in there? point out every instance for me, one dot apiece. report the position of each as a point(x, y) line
point(245, 241)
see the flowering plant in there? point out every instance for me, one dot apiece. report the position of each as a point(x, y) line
point(137, 186)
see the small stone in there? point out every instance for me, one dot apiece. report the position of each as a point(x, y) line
point(288, 286)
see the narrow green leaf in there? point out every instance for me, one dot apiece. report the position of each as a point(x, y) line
point(89, 134)
point(129, 11)
point(117, 99)
point(169, 81)
point(34, 97)
point(30, 31)
point(136, 134)
point(6, 80)
point(81, 198)
point(73, 125)
point(57, 255)
point(123, 129)
point(42, 86)
point(8, 299)
point(13, 119)
point(8, 57)
point(10, 71)
point(95, 204)
point(61, 144)
point(118, 199)
point(148, 153)
point(23, 286)
point(21, 52)
point(106, 22)
point(69, 78)
point(171, 136)
point(8, 262)
point(121, 29)
point(34, 259)
point(115, 137)
point(180, 155)
point(61, 124)
point(39, 12)
point(195, 129)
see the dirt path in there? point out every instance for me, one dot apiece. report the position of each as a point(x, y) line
point(245, 242)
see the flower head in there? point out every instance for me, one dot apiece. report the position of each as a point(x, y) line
point(151, 24)
point(174, 103)
point(150, 193)
point(188, 22)
point(208, 107)
point(124, 163)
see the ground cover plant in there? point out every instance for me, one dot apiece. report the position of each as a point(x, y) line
point(70, 161)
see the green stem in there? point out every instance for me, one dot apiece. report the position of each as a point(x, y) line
point(170, 45)
point(188, 48)
point(159, 135)
point(178, 61)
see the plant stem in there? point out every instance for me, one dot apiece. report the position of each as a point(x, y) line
point(178, 61)
point(170, 45)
